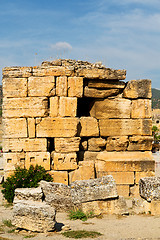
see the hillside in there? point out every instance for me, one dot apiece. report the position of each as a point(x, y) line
point(155, 98)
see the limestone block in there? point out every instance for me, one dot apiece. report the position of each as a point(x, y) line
point(117, 143)
point(52, 71)
point(57, 127)
point(17, 72)
point(96, 144)
point(87, 156)
point(25, 144)
point(139, 175)
point(111, 108)
point(57, 195)
point(155, 207)
point(59, 176)
point(97, 93)
point(119, 177)
point(34, 216)
point(123, 190)
point(31, 194)
point(137, 143)
point(105, 84)
point(54, 106)
point(134, 191)
point(84, 172)
point(13, 160)
point(14, 87)
point(64, 161)
point(41, 86)
point(25, 107)
point(141, 108)
point(75, 87)
point(93, 189)
point(102, 73)
point(15, 128)
point(67, 144)
point(149, 188)
point(124, 127)
point(61, 86)
point(89, 127)
point(31, 127)
point(138, 89)
point(40, 158)
point(67, 107)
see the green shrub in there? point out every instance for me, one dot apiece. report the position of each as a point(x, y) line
point(81, 234)
point(79, 214)
point(23, 178)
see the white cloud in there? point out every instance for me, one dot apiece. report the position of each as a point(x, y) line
point(61, 46)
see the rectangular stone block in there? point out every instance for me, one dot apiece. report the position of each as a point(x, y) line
point(146, 127)
point(139, 175)
point(40, 158)
point(100, 93)
point(25, 144)
point(96, 144)
point(75, 87)
point(13, 160)
point(57, 127)
point(15, 128)
point(52, 71)
point(134, 191)
point(117, 143)
point(85, 171)
point(89, 127)
point(25, 107)
point(54, 106)
point(123, 190)
point(31, 127)
point(98, 83)
point(61, 86)
point(28, 194)
point(17, 72)
point(141, 108)
point(149, 188)
point(111, 108)
point(67, 107)
point(155, 207)
point(140, 143)
point(59, 176)
point(119, 177)
point(14, 87)
point(64, 161)
point(67, 144)
point(41, 86)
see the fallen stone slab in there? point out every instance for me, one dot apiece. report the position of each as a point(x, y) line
point(93, 189)
point(34, 216)
point(32, 194)
point(149, 188)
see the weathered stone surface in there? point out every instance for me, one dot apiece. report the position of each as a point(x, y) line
point(52, 71)
point(59, 176)
point(137, 143)
point(111, 108)
point(88, 127)
point(41, 86)
point(64, 161)
point(40, 158)
point(75, 87)
point(14, 87)
point(68, 106)
point(96, 83)
point(61, 86)
point(102, 73)
point(31, 127)
point(57, 127)
point(17, 72)
point(139, 175)
point(25, 107)
point(31, 194)
point(123, 190)
point(97, 93)
point(93, 189)
point(138, 89)
point(117, 143)
point(34, 216)
point(15, 128)
point(85, 171)
point(119, 177)
point(54, 106)
point(96, 144)
point(67, 144)
point(57, 195)
point(25, 144)
point(149, 188)
point(141, 108)
point(84, 144)
point(124, 127)
point(155, 207)
point(13, 160)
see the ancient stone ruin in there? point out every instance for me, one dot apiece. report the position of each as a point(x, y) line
point(79, 121)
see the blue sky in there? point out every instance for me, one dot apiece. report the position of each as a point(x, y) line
point(123, 34)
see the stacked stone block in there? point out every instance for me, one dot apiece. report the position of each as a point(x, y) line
point(79, 121)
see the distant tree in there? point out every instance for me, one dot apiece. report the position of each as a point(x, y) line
point(155, 134)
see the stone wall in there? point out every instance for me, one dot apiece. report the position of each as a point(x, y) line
point(78, 120)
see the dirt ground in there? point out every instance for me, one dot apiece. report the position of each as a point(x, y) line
point(111, 227)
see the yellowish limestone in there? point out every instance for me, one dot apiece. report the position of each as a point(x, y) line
point(139, 175)
point(59, 176)
point(31, 127)
point(52, 71)
point(54, 106)
point(13, 160)
point(137, 143)
point(117, 143)
point(61, 86)
point(67, 107)
point(119, 177)
point(75, 87)
point(17, 72)
point(88, 127)
point(123, 190)
point(64, 161)
point(96, 144)
point(141, 108)
point(97, 93)
point(105, 84)
point(15, 128)
point(67, 144)
point(14, 87)
point(40, 158)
